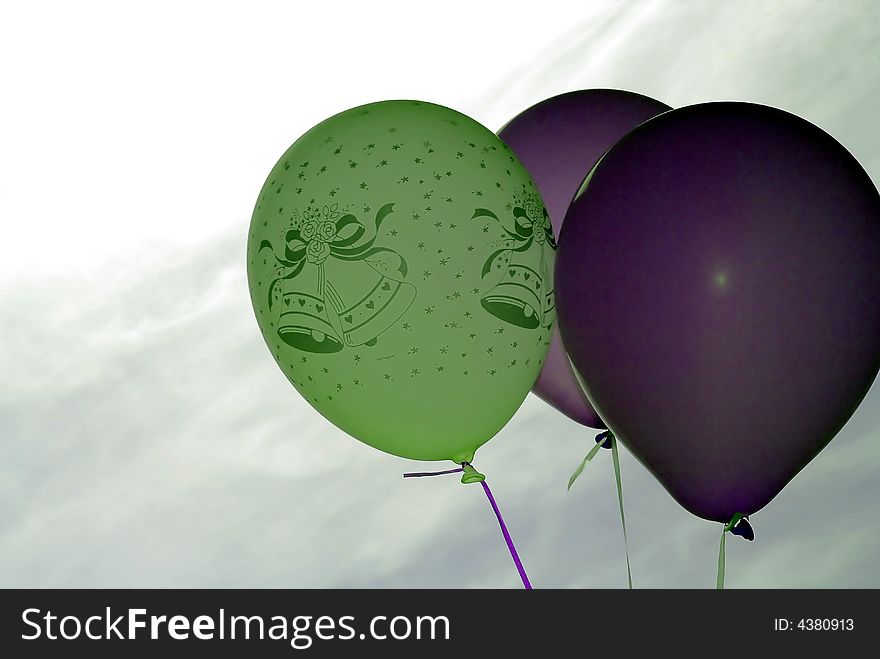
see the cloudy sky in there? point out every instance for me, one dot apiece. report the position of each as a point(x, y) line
point(146, 436)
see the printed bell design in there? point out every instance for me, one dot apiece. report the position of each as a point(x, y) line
point(305, 318)
point(365, 300)
point(346, 293)
point(519, 297)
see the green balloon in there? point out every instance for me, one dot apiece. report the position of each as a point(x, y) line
point(400, 264)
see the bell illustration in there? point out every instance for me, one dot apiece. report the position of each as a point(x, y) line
point(366, 300)
point(518, 298)
point(305, 319)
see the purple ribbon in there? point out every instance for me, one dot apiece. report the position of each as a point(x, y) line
point(519, 566)
point(419, 474)
point(510, 546)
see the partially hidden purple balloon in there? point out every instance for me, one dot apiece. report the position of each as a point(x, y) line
point(718, 290)
point(559, 140)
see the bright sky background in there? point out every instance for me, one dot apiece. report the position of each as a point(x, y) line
point(146, 437)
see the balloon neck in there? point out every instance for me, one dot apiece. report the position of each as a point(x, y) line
point(739, 525)
point(605, 439)
point(470, 475)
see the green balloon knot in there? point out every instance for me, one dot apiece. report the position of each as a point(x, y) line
point(470, 474)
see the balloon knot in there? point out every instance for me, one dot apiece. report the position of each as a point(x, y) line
point(739, 525)
point(467, 471)
point(605, 439)
point(470, 474)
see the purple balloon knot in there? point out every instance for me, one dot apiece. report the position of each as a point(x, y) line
point(605, 438)
point(743, 529)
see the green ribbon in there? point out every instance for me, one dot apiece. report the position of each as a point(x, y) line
point(616, 457)
point(616, 460)
point(580, 469)
point(719, 579)
point(345, 245)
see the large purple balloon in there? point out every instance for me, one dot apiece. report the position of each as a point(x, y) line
point(559, 140)
point(718, 288)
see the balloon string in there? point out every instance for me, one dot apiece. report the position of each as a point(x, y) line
point(580, 469)
point(507, 539)
point(607, 439)
point(616, 460)
point(722, 550)
point(420, 474)
point(510, 547)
